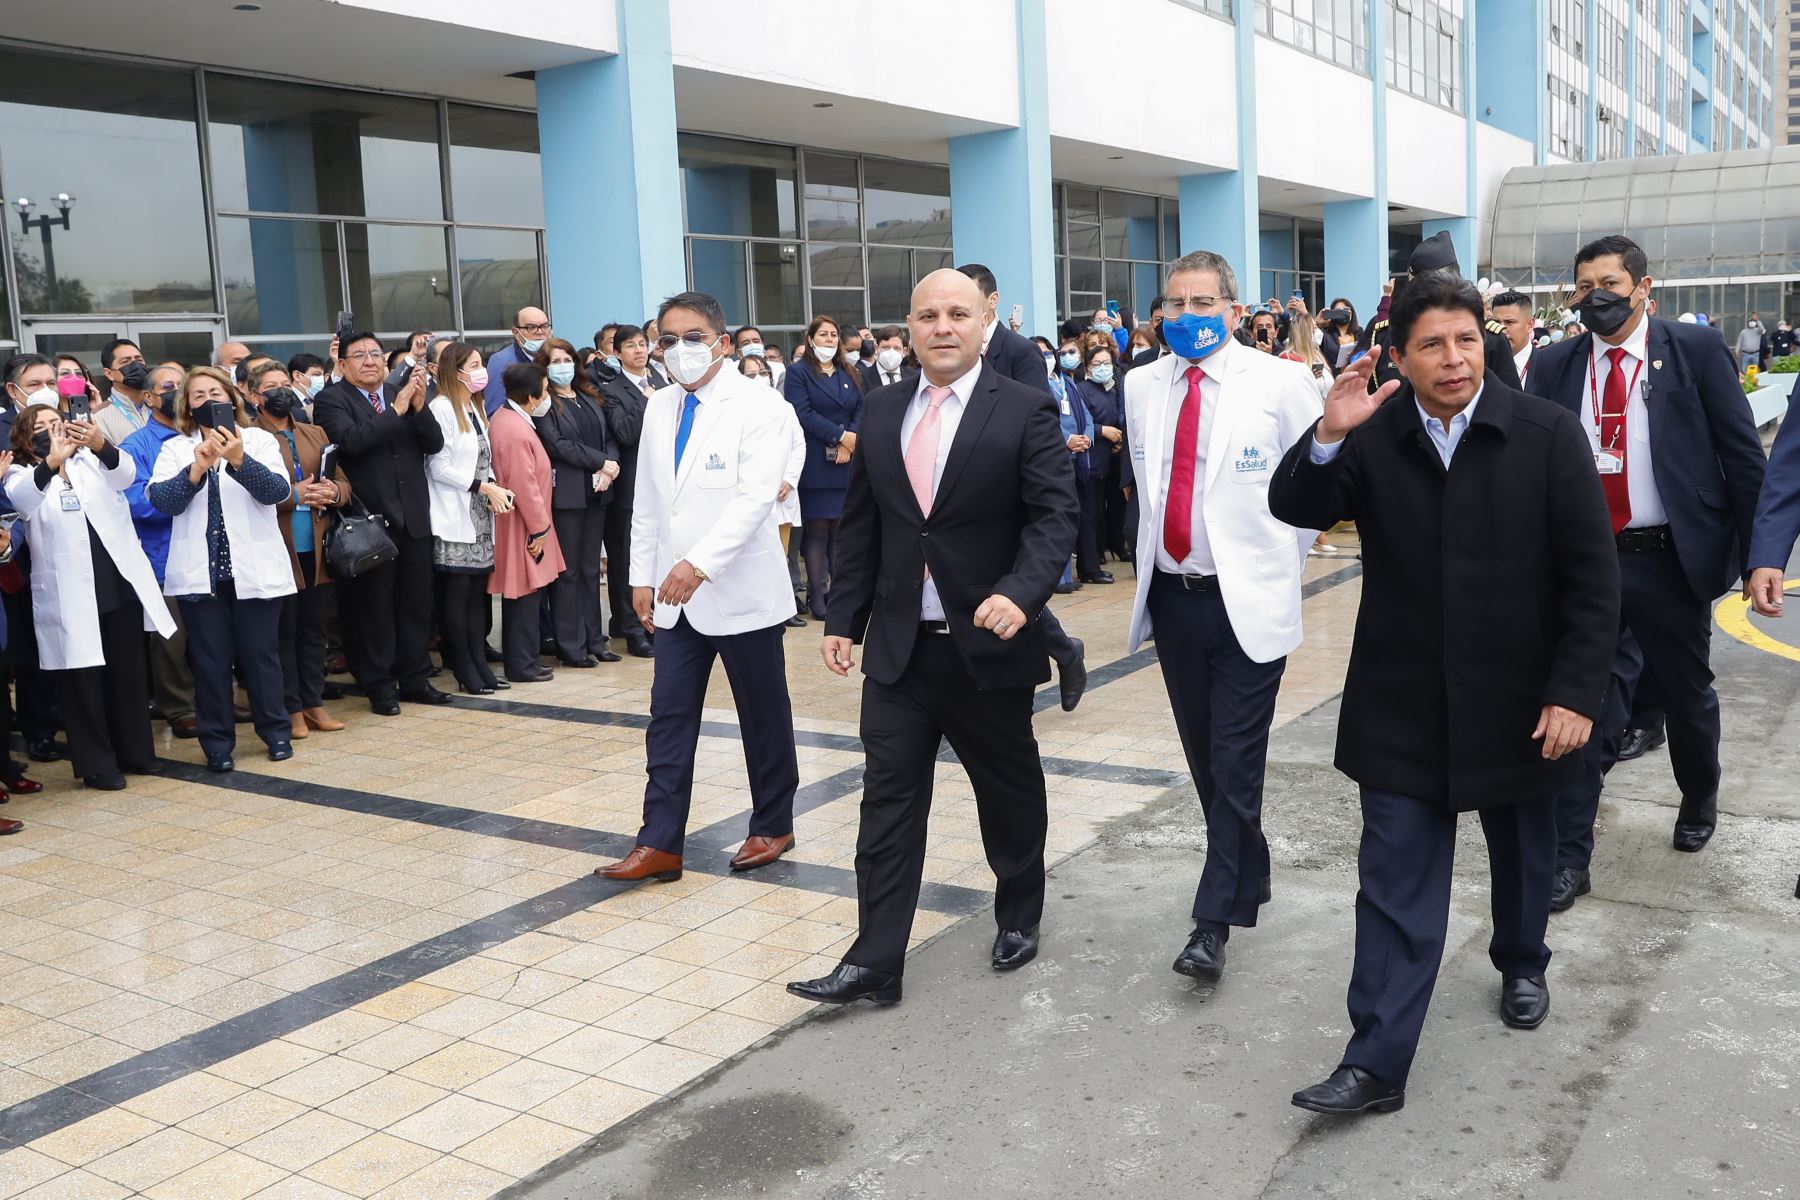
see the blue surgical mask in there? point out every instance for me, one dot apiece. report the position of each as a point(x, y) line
point(532, 345)
point(1101, 373)
point(562, 374)
point(612, 361)
point(314, 385)
point(1050, 363)
point(1070, 360)
point(1100, 327)
point(1193, 336)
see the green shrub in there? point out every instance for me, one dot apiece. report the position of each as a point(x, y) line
point(1786, 365)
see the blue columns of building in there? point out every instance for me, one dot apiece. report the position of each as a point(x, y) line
point(1356, 231)
point(1590, 100)
point(1632, 32)
point(1509, 34)
point(1221, 210)
point(1001, 212)
point(1698, 100)
point(606, 133)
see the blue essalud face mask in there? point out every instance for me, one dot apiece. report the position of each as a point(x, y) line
point(1193, 336)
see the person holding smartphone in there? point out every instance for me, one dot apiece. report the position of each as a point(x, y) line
point(220, 480)
point(92, 588)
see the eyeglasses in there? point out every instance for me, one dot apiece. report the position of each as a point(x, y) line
point(1174, 306)
point(366, 356)
point(539, 329)
point(695, 337)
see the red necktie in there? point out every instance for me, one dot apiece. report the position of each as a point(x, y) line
point(1612, 437)
point(1178, 509)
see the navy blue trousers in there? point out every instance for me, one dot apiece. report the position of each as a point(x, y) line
point(757, 669)
point(225, 632)
point(1403, 910)
point(1224, 704)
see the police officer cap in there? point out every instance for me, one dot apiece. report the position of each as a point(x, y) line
point(1435, 253)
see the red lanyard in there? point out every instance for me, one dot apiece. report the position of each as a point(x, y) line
point(1594, 400)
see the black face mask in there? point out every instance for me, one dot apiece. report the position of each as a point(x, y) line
point(135, 375)
point(280, 402)
point(217, 415)
point(164, 402)
point(1605, 312)
point(40, 445)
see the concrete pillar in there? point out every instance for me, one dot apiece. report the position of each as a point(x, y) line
point(1356, 231)
point(1221, 210)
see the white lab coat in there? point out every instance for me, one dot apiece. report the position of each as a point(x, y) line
point(1266, 404)
point(718, 513)
point(450, 473)
point(261, 568)
point(787, 512)
point(63, 605)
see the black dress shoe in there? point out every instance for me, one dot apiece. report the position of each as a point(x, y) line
point(426, 695)
point(112, 781)
point(582, 663)
point(1569, 883)
point(482, 690)
point(500, 685)
point(280, 751)
point(1349, 1091)
point(1098, 577)
point(796, 622)
point(385, 706)
point(1204, 957)
point(1064, 589)
point(541, 675)
point(1013, 948)
point(491, 655)
point(1267, 893)
point(1694, 823)
point(639, 646)
point(1639, 742)
point(605, 655)
point(1071, 677)
point(848, 984)
point(1524, 1003)
point(43, 750)
point(333, 691)
point(220, 765)
point(546, 647)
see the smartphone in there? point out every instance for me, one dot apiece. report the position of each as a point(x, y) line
point(1018, 314)
point(1112, 306)
point(346, 325)
point(328, 462)
point(1296, 295)
point(73, 388)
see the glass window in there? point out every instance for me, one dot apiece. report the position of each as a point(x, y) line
point(1129, 225)
point(1084, 204)
point(890, 284)
point(500, 274)
point(830, 177)
point(1171, 230)
point(494, 172)
point(737, 189)
point(775, 273)
point(1084, 276)
point(8, 339)
point(291, 147)
point(906, 203)
point(124, 145)
point(719, 270)
point(280, 277)
point(844, 305)
point(833, 220)
point(836, 266)
point(399, 276)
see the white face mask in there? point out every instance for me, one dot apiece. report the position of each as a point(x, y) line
point(688, 362)
point(1318, 337)
point(825, 354)
point(541, 407)
point(890, 359)
point(44, 397)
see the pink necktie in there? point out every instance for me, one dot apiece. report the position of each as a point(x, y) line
point(921, 451)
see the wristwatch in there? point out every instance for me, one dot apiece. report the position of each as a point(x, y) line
point(702, 576)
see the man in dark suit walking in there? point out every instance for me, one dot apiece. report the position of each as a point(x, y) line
point(1681, 465)
point(383, 434)
point(1476, 503)
point(959, 519)
point(1019, 358)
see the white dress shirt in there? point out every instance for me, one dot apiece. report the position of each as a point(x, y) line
point(1522, 361)
point(1640, 480)
point(1199, 560)
point(887, 377)
point(949, 417)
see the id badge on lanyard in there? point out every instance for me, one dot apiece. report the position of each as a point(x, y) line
point(70, 501)
point(1609, 459)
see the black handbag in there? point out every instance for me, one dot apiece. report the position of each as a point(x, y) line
point(357, 541)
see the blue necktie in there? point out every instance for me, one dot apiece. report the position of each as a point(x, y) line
point(686, 427)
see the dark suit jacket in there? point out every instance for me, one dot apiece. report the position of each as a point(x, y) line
point(1017, 358)
point(624, 411)
point(382, 454)
point(827, 409)
point(1002, 521)
point(1705, 452)
point(578, 442)
point(871, 375)
point(1489, 591)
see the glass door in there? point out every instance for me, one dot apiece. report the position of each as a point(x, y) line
point(189, 341)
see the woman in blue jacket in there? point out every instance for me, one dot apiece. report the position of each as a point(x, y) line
point(826, 392)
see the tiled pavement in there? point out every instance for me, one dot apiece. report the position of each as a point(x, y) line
point(383, 968)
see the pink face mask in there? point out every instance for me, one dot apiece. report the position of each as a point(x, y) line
point(478, 379)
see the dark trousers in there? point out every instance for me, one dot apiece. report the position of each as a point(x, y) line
point(302, 640)
point(386, 619)
point(1646, 704)
point(757, 668)
point(575, 594)
point(1403, 910)
point(1089, 491)
point(224, 631)
point(36, 713)
point(623, 622)
point(818, 538)
point(1671, 629)
point(521, 635)
point(1056, 638)
point(903, 725)
point(1224, 706)
point(464, 612)
point(1119, 521)
point(104, 708)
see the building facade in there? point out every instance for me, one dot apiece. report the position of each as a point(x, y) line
point(183, 171)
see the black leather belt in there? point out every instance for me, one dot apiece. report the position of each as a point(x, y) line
point(934, 627)
point(1650, 537)
point(1190, 583)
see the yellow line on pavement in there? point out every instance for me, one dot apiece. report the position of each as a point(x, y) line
point(1733, 615)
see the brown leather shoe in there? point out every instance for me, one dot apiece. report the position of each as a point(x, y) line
point(185, 727)
point(296, 725)
point(319, 719)
point(8, 825)
point(761, 851)
point(645, 862)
